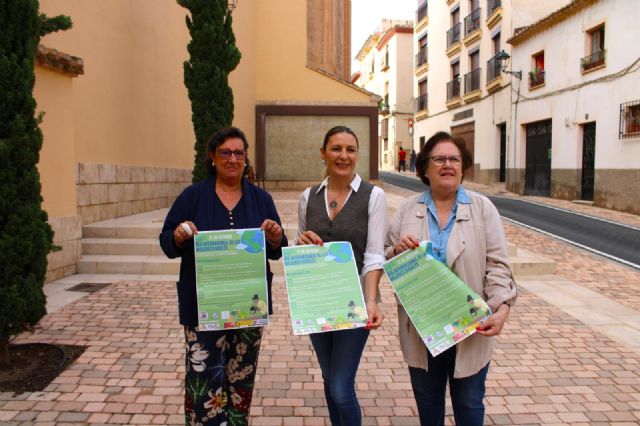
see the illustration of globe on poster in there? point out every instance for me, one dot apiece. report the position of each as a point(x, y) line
point(324, 288)
point(231, 279)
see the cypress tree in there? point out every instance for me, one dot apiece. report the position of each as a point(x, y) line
point(25, 235)
point(212, 56)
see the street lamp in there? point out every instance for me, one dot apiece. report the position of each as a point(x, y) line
point(503, 57)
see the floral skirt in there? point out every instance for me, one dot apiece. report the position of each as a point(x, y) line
point(220, 371)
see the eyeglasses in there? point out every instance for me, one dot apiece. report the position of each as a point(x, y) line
point(440, 160)
point(225, 154)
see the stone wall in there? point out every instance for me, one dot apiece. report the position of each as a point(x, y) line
point(107, 191)
point(67, 235)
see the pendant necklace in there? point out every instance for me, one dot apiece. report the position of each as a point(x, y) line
point(333, 204)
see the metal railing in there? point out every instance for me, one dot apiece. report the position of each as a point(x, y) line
point(453, 89)
point(421, 13)
point(472, 22)
point(493, 5)
point(472, 80)
point(594, 60)
point(536, 78)
point(629, 120)
point(420, 103)
point(453, 35)
point(421, 56)
point(493, 69)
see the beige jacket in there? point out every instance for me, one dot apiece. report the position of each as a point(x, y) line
point(477, 253)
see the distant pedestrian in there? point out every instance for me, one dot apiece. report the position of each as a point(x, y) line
point(412, 161)
point(402, 156)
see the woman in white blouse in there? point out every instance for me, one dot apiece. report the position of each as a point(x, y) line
point(345, 208)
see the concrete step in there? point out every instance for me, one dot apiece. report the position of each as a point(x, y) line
point(526, 263)
point(121, 246)
point(102, 230)
point(128, 264)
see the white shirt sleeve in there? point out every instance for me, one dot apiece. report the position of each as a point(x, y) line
point(302, 214)
point(376, 231)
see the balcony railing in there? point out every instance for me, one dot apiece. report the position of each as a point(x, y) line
point(421, 13)
point(536, 78)
point(472, 22)
point(453, 89)
point(493, 69)
point(421, 56)
point(493, 5)
point(594, 60)
point(472, 80)
point(453, 35)
point(420, 103)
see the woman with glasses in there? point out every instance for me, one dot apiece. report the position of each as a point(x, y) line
point(220, 365)
point(343, 207)
point(466, 235)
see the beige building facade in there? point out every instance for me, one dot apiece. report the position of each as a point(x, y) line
point(576, 124)
point(385, 67)
point(118, 137)
point(459, 86)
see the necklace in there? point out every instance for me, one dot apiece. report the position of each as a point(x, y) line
point(333, 204)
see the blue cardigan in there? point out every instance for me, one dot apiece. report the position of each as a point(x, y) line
point(197, 203)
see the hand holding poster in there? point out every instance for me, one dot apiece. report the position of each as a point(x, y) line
point(324, 288)
point(231, 279)
point(443, 309)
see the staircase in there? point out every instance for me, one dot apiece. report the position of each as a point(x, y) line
point(127, 249)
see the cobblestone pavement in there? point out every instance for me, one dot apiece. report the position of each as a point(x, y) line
point(550, 367)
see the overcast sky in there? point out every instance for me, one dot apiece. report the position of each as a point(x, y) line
point(367, 14)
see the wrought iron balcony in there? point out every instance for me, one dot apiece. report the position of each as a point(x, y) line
point(421, 56)
point(592, 61)
point(536, 78)
point(472, 80)
point(420, 103)
point(421, 13)
point(453, 89)
point(453, 35)
point(493, 5)
point(493, 68)
point(472, 22)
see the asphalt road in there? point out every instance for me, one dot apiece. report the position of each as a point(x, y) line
point(620, 242)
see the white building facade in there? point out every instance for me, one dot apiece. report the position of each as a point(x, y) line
point(576, 110)
point(384, 66)
point(458, 83)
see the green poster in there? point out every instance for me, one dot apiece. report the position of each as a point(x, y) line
point(442, 307)
point(231, 279)
point(324, 288)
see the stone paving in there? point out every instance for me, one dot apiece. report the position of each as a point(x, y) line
point(552, 366)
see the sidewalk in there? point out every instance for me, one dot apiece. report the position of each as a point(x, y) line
point(565, 356)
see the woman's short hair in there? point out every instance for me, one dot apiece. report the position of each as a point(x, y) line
point(335, 130)
point(423, 158)
point(220, 137)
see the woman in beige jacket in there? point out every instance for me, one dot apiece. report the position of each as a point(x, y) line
point(467, 235)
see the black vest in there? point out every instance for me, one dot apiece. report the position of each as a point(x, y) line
point(351, 224)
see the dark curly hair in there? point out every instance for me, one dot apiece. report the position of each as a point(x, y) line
point(423, 158)
point(220, 137)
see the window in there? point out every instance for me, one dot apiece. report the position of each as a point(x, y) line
point(421, 101)
point(495, 41)
point(453, 34)
point(630, 120)
point(595, 49)
point(385, 128)
point(493, 65)
point(453, 87)
point(421, 57)
point(472, 78)
point(537, 73)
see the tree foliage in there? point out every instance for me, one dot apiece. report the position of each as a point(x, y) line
point(212, 56)
point(25, 235)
